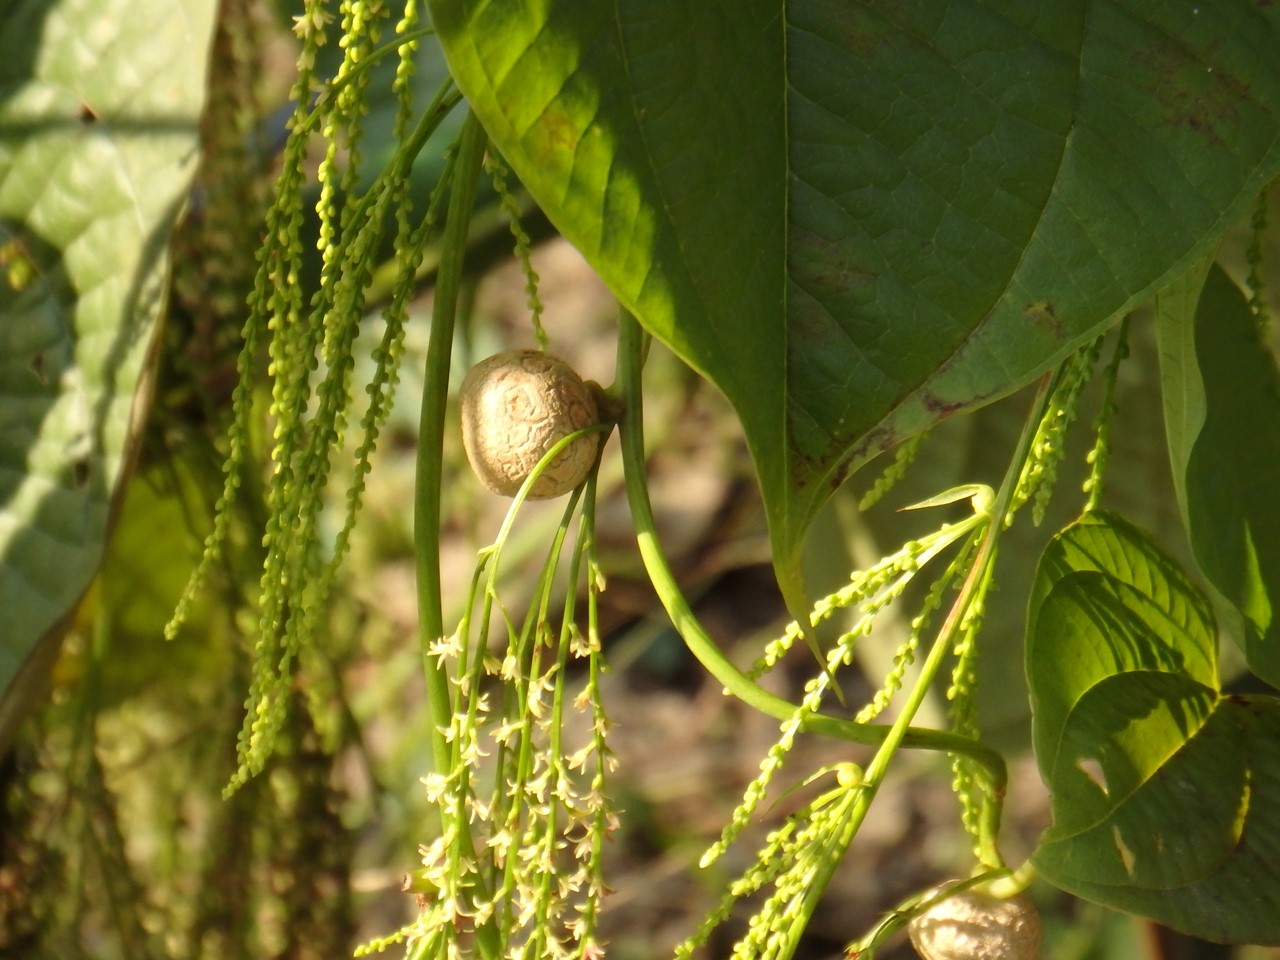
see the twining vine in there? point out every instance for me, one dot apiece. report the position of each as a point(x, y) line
point(514, 864)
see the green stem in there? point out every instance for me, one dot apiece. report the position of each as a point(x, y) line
point(429, 469)
point(430, 461)
point(631, 346)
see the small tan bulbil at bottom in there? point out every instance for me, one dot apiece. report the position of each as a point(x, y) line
point(975, 926)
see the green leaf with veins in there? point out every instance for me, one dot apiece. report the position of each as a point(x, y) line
point(1221, 393)
point(99, 105)
point(857, 218)
point(1165, 792)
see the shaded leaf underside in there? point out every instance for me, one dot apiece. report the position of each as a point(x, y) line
point(1222, 412)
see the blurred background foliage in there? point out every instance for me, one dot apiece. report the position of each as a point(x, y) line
point(115, 839)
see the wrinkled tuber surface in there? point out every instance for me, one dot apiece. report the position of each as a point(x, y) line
point(975, 926)
point(515, 406)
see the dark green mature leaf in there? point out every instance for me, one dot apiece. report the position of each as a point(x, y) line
point(1222, 414)
point(1166, 794)
point(99, 102)
point(859, 217)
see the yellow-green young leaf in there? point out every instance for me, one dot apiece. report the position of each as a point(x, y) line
point(99, 102)
point(1221, 395)
point(156, 539)
point(1166, 793)
point(857, 218)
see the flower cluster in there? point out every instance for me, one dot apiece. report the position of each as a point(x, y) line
point(802, 848)
point(516, 869)
point(870, 592)
point(1048, 446)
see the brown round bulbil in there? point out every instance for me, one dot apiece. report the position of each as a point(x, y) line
point(516, 405)
point(976, 926)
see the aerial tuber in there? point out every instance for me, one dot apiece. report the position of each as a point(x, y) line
point(977, 926)
point(516, 405)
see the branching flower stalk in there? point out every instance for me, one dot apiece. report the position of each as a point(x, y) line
point(1058, 393)
point(871, 592)
point(516, 870)
point(905, 655)
point(797, 862)
point(276, 293)
point(963, 714)
point(870, 589)
point(292, 576)
point(957, 622)
point(792, 857)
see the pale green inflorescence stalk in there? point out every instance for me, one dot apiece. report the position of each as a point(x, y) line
point(962, 698)
point(823, 833)
point(410, 242)
point(863, 584)
point(276, 294)
point(801, 858)
point(905, 655)
point(312, 349)
point(1098, 456)
point(1048, 447)
point(498, 173)
point(903, 456)
point(342, 126)
point(275, 307)
point(293, 587)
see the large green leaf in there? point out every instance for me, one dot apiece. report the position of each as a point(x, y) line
point(1166, 793)
point(1222, 416)
point(99, 104)
point(859, 217)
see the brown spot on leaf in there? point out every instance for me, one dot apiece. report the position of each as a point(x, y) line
point(1193, 94)
point(560, 131)
point(859, 31)
point(841, 474)
point(937, 406)
point(1043, 315)
point(819, 263)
